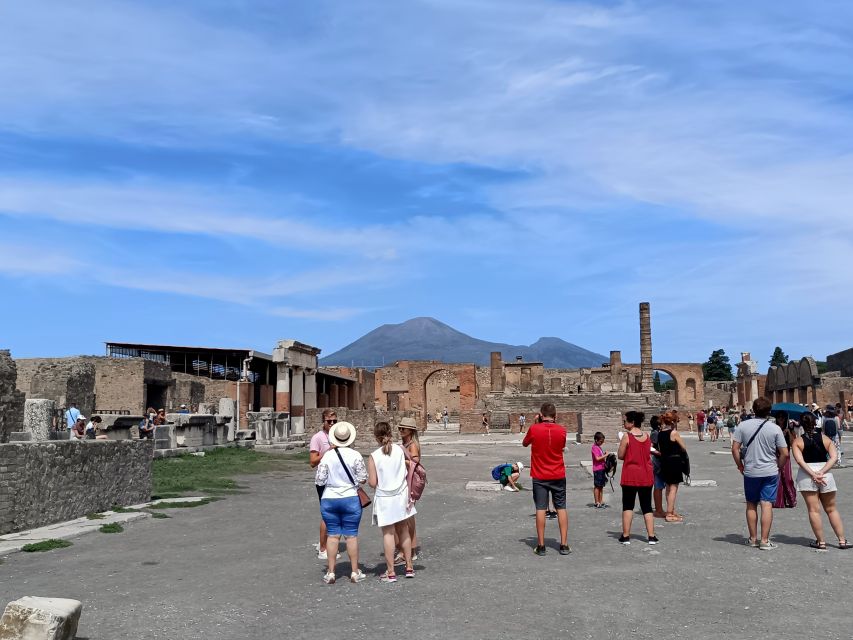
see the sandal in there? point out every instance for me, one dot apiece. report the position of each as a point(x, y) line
point(818, 544)
point(843, 544)
point(674, 518)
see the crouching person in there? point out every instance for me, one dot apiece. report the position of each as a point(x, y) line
point(507, 474)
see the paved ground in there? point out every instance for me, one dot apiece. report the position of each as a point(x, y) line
point(244, 567)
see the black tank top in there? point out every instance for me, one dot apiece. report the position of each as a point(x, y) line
point(813, 449)
point(665, 444)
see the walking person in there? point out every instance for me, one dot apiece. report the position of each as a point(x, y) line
point(317, 448)
point(759, 450)
point(387, 472)
point(485, 424)
point(71, 415)
point(815, 453)
point(700, 424)
point(409, 435)
point(672, 450)
point(340, 471)
point(548, 474)
point(637, 476)
point(521, 421)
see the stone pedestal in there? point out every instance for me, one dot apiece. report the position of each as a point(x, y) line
point(228, 408)
point(32, 618)
point(38, 418)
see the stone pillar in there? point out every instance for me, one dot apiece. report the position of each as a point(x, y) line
point(343, 395)
point(282, 387)
point(497, 371)
point(310, 388)
point(297, 401)
point(616, 371)
point(228, 408)
point(38, 418)
point(753, 389)
point(334, 396)
point(646, 370)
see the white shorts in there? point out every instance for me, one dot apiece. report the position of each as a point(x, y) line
point(805, 482)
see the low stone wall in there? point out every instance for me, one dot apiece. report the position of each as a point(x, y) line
point(363, 419)
point(46, 482)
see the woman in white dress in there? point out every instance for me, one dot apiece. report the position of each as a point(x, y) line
point(387, 472)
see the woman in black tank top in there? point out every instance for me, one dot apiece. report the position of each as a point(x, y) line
point(816, 454)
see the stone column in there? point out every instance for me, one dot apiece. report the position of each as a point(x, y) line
point(282, 388)
point(753, 389)
point(497, 371)
point(38, 418)
point(310, 388)
point(228, 408)
point(334, 396)
point(297, 401)
point(616, 371)
point(646, 371)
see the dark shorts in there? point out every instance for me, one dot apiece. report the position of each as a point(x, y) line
point(761, 489)
point(555, 488)
point(630, 495)
point(599, 478)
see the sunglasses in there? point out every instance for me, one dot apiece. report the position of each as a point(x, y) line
point(332, 421)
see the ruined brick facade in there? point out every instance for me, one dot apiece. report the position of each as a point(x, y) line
point(11, 400)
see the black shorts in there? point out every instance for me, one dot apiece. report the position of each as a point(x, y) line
point(599, 478)
point(629, 498)
point(555, 488)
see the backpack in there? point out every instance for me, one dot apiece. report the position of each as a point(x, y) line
point(830, 428)
point(610, 464)
point(496, 472)
point(416, 478)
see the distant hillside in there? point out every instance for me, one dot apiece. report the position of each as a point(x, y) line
point(429, 339)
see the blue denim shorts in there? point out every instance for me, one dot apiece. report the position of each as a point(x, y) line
point(341, 515)
point(761, 489)
point(599, 478)
point(660, 485)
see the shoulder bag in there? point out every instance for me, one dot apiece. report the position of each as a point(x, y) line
point(363, 498)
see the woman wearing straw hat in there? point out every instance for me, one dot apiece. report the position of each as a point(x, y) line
point(387, 473)
point(409, 435)
point(340, 471)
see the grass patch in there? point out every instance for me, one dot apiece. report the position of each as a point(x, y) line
point(157, 514)
point(46, 545)
point(95, 516)
point(182, 505)
point(215, 472)
point(112, 527)
point(117, 509)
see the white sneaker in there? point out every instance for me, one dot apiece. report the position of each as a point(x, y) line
point(329, 578)
point(322, 555)
point(357, 576)
point(509, 488)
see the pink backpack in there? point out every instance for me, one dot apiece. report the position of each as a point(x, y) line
point(416, 478)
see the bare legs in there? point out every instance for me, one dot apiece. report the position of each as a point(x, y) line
point(598, 495)
point(657, 496)
point(671, 492)
point(413, 532)
point(814, 502)
point(562, 521)
point(324, 536)
point(766, 520)
point(628, 519)
point(402, 530)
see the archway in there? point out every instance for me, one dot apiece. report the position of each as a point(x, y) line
point(666, 383)
point(441, 389)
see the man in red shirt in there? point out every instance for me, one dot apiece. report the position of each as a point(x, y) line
point(548, 472)
point(700, 424)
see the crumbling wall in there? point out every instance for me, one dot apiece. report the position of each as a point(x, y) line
point(46, 482)
point(11, 400)
point(63, 380)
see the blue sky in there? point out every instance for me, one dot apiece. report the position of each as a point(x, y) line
point(228, 173)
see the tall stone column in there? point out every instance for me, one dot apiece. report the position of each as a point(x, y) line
point(297, 402)
point(646, 372)
point(282, 388)
point(310, 388)
point(497, 371)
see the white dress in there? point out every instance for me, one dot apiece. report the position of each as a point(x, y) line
point(391, 499)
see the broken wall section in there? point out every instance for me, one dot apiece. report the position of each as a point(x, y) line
point(11, 400)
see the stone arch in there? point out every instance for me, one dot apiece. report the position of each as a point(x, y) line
point(689, 383)
point(792, 376)
point(441, 389)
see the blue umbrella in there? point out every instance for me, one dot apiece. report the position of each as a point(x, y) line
point(790, 408)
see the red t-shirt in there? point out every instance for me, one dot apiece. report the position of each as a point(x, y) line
point(700, 417)
point(546, 455)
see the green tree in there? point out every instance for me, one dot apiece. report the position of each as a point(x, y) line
point(657, 382)
point(718, 368)
point(778, 357)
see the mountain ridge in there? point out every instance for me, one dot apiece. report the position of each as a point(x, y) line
point(425, 338)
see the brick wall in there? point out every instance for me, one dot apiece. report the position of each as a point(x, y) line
point(120, 384)
point(42, 483)
point(63, 380)
point(841, 362)
point(11, 400)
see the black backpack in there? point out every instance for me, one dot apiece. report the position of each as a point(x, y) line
point(610, 464)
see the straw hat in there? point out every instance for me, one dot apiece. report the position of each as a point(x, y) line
point(342, 434)
point(408, 423)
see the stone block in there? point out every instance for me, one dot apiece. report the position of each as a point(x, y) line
point(477, 485)
point(20, 436)
point(33, 618)
point(38, 417)
point(702, 483)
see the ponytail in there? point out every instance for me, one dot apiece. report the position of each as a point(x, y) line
point(382, 433)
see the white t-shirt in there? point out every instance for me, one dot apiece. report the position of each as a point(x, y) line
point(390, 470)
point(331, 474)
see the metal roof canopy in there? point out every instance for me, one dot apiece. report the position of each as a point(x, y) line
point(200, 361)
